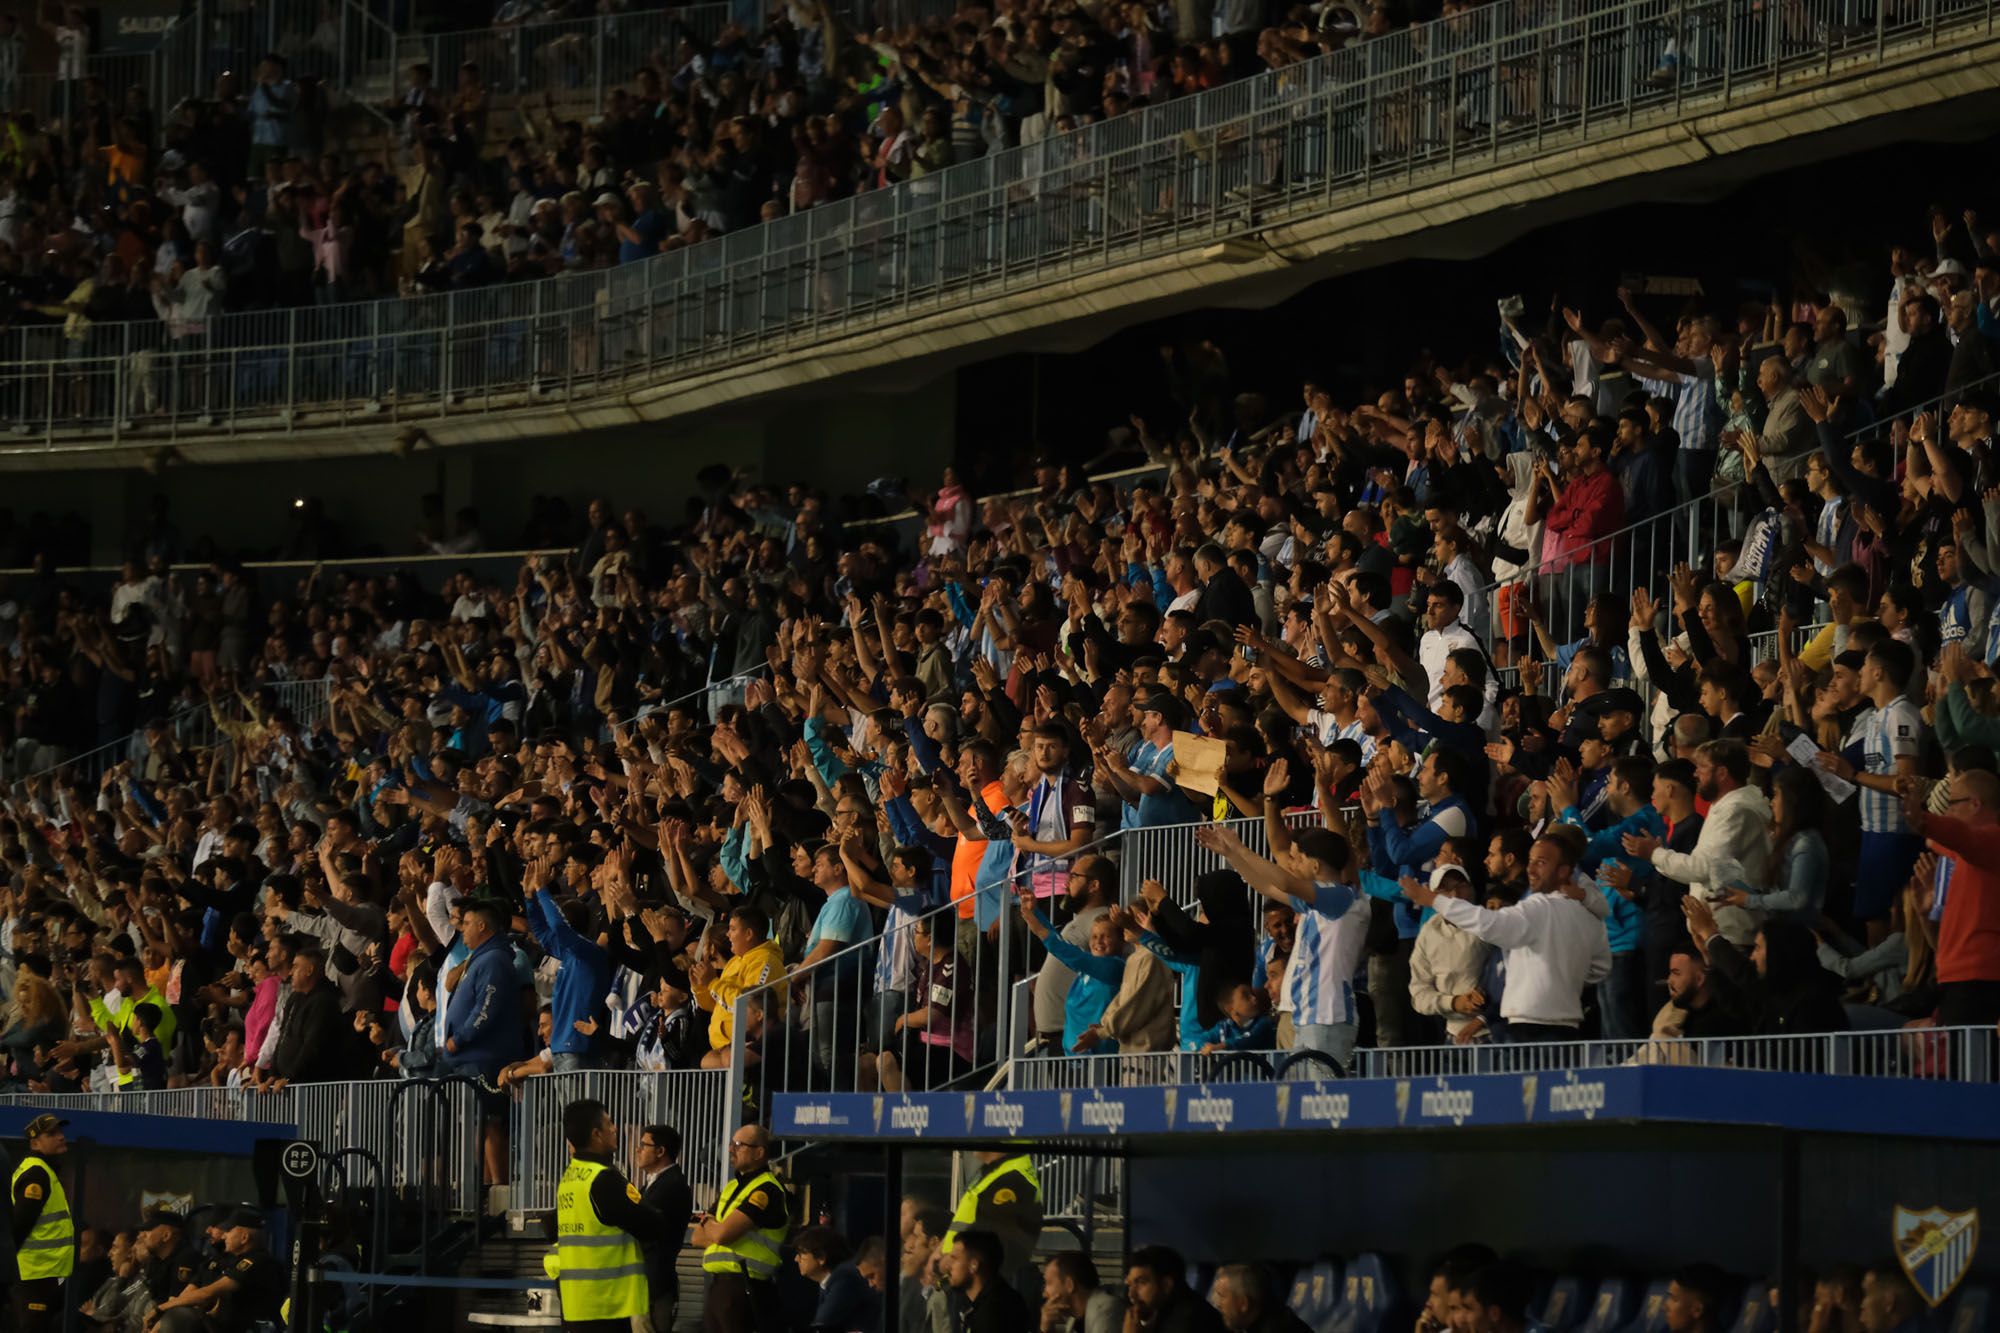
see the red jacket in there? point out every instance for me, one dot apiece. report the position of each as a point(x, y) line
point(1588, 508)
point(1969, 933)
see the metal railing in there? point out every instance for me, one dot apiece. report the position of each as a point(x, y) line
point(1960, 1055)
point(825, 1027)
point(1642, 554)
point(194, 727)
point(690, 1100)
point(573, 58)
point(1169, 853)
point(341, 44)
point(1429, 103)
point(419, 1150)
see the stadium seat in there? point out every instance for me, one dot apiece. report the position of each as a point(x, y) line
point(1973, 1312)
point(1368, 1298)
point(1611, 1308)
point(1652, 1316)
point(1316, 1292)
point(1755, 1315)
point(1559, 1312)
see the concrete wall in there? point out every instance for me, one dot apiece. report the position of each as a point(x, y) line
point(839, 443)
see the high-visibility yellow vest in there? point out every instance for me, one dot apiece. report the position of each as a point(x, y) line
point(968, 1203)
point(50, 1249)
point(603, 1274)
point(754, 1253)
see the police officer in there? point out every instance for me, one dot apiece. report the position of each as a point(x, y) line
point(600, 1222)
point(44, 1232)
point(240, 1287)
point(743, 1238)
point(1007, 1201)
point(171, 1263)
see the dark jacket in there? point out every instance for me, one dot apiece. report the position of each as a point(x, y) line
point(999, 1309)
point(1186, 1312)
point(1278, 1319)
point(1794, 995)
point(1718, 1018)
point(313, 1045)
point(1224, 945)
point(1226, 597)
point(668, 1195)
point(1921, 370)
point(847, 1304)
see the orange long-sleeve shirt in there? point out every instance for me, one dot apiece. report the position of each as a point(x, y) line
point(1969, 932)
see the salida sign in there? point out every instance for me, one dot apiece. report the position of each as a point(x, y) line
point(132, 26)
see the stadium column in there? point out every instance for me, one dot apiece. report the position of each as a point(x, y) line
point(1788, 1229)
point(892, 1225)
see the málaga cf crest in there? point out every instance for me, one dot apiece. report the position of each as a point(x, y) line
point(1935, 1248)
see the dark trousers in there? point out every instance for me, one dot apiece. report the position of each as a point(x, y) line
point(1968, 1004)
point(1621, 998)
point(735, 1304)
point(598, 1325)
point(1389, 990)
point(660, 1314)
point(1538, 1032)
point(37, 1305)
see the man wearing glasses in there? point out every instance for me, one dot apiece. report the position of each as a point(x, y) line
point(664, 1188)
point(743, 1238)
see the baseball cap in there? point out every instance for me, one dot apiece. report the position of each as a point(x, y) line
point(1617, 699)
point(1168, 707)
point(45, 1123)
point(1438, 874)
point(247, 1217)
point(160, 1217)
point(606, 198)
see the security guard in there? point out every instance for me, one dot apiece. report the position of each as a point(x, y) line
point(233, 1292)
point(599, 1224)
point(1007, 1201)
point(44, 1232)
point(743, 1238)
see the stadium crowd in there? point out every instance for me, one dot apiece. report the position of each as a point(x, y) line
point(565, 821)
point(118, 210)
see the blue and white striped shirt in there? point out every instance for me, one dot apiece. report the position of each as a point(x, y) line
point(1827, 532)
point(1332, 932)
point(1330, 731)
point(1696, 418)
point(1885, 735)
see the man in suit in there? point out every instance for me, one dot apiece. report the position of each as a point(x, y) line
point(846, 1302)
point(666, 1191)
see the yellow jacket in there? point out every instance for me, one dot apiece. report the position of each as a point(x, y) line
point(760, 967)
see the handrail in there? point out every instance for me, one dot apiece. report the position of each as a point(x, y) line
point(1954, 1054)
point(93, 763)
point(1462, 93)
point(844, 1048)
point(1866, 431)
point(1684, 519)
